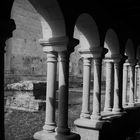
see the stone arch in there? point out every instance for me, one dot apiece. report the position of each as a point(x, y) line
point(129, 49)
point(88, 31)
point(112, 44)
point(48, 17)
point(51, 17)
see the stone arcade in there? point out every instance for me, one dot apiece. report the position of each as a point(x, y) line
point(103, 36)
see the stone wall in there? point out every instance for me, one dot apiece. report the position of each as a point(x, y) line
point(24, 56)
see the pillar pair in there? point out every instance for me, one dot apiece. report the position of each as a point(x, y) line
point(88, 55)
point(113, 87)
point(130, 64)
point(56, 50)
point(137, 82)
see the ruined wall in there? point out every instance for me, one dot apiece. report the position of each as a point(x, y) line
point(24, 55)
point(27, 55)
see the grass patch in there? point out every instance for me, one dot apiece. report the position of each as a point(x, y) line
point(21, 125)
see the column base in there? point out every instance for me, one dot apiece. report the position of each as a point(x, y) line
point(131, 104)
point(44, 135)
point(49, 127)
point(95, 117)
point(116, 110)
point(85, 115)
point(89, 129)
point(138, 100)
point(106, 113)
point(71, 136)
point(63, 131)
point(89, 123)
point(107, 109)
point(125, 104)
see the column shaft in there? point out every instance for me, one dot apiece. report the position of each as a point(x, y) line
point(135, 85)
point(50, 92)
point(138, 85)
point(97, 90)
point(117, 92)
point(131, 92)
point(109, 85)
point(63, 94)
point(86, 88)
point(125, 83)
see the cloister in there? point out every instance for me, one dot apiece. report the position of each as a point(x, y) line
point(103, 37)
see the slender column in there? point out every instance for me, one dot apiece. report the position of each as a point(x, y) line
point(63, 94)
point(50, 92)
point(109, 84)
point(86, 88)
point(138, 85)
point(97, 90)
point(135, 85)
point(125, 83)
point(131, 92)
point(116, 105)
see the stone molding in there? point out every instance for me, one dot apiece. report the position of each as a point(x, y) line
point(96, 52)
point(57, 44)
point(51, 57)
point(132, 62)
point(113, 58)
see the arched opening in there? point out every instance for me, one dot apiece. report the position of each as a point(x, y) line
point(86, 31)
point(131, 75)
point(25, 59)
point(111, 43)
point(129, 49)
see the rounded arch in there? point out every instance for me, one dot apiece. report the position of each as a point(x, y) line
point(52, 20)
point(129, 49)
point(111, 42)
point(86, 31)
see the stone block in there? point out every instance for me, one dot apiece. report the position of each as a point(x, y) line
point(22, 101)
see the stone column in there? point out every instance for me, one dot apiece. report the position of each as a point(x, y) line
point(131, 91)
point(53, 47)
point(97, 90)
point(125, 83)
point(50, 92)
point(138, 84)
point(109, 86)
point(63, 94)
point(86, 88)
point(63, 132)
point(117, 92)
point(50, 124)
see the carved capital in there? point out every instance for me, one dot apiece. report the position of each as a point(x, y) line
point(87, 61)
point(51, 57)
point(57, 44)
